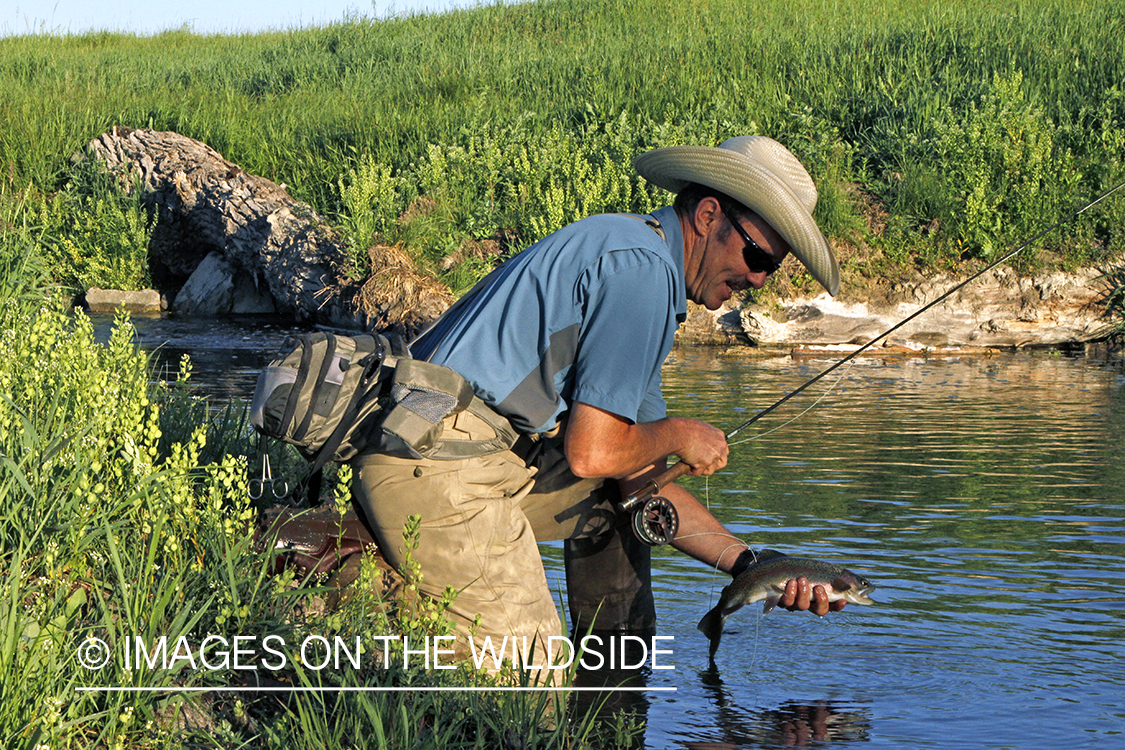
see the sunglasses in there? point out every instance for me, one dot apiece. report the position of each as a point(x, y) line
point(757, 259)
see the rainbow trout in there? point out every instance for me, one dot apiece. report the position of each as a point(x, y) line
point(766, 579)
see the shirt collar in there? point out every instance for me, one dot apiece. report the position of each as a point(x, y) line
point(674, 238)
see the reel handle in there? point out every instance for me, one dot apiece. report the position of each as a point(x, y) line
point(638, 496)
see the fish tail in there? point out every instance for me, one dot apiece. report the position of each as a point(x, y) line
point(712, 626)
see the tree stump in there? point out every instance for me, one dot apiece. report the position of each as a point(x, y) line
point(204, 203)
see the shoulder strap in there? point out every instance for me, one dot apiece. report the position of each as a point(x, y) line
point(322, 373)
point(306, 344)
point(370, 354)
point(652, 224)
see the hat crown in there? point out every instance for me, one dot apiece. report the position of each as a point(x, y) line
point(780, 162)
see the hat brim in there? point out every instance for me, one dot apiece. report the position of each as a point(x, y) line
point(733, 174)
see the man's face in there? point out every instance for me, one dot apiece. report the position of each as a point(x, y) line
point(722, 268)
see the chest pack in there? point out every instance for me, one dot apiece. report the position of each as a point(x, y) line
point(334, 396)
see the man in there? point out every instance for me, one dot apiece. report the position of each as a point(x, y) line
point(565, 342)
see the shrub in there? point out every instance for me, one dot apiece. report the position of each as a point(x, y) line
point(95, 235)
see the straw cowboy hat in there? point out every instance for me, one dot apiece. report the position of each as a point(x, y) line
point(762, 175)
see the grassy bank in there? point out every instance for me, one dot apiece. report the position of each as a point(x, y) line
point(125, 515)
point(938, 132)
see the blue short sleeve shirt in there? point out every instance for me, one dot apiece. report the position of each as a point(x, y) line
point(587, 314)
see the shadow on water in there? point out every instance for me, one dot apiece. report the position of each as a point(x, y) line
point(733, 722)
point(789, 724)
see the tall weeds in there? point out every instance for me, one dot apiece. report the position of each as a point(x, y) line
point(470, 134)
point(125, 515)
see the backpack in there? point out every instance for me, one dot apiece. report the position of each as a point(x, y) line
point(325, 393)
point(333, 396)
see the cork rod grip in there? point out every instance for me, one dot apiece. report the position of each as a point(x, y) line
point(653, 486)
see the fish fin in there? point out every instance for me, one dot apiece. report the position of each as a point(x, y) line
point(712, 626)
point(769, 603)
point(768, 554)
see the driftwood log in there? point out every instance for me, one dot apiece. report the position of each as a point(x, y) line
point(205, 204)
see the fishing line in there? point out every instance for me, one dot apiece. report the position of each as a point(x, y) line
point(849, 358)
point(812, 406)
point(726, 549)
point(956, 288)
point(715, 533)
point(654, 518)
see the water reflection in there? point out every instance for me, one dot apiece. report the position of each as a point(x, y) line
point(612, 706)
point(734, 721)
point(789, 724)
point(984, 497)
point(226, 353)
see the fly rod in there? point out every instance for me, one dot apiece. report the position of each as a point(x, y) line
point(639, 496)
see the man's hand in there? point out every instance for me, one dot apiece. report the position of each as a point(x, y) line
point(799, 595)
point(704, 448)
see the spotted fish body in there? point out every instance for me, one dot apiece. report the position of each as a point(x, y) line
point(765, 581)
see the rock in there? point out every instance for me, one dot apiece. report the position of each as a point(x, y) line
point(217, 287)
point(294, 260)
point(711, 328)
point(998, 310)
point(249, 298)
point(109, 300)
point(209, 290)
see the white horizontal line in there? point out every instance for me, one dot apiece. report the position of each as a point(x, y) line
point(361, 689)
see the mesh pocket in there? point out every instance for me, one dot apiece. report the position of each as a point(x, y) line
point(433, 406)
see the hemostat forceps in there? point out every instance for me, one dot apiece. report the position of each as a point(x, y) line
point(258, 486)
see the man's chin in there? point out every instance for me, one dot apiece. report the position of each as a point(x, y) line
point(724, 294)
point(715, 300)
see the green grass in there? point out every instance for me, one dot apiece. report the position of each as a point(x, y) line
point(124, 513)
point(968, 124)
point(123, 506)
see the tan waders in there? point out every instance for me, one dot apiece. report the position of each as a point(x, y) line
point(482, 518)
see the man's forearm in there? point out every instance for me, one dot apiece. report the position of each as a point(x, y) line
point(602, 444)
point(700, 534)
point(599, 444)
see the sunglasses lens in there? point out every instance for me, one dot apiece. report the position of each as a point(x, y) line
point(757, 259)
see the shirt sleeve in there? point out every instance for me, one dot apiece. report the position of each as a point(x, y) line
point(653, 406)
point(628, 323)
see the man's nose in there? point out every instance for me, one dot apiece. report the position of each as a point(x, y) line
point(757, 279)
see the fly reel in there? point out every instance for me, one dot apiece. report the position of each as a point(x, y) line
point(656, 522)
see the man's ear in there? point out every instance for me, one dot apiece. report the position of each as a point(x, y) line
point(708, 213)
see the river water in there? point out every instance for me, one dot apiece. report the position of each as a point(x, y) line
point(983, 496)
